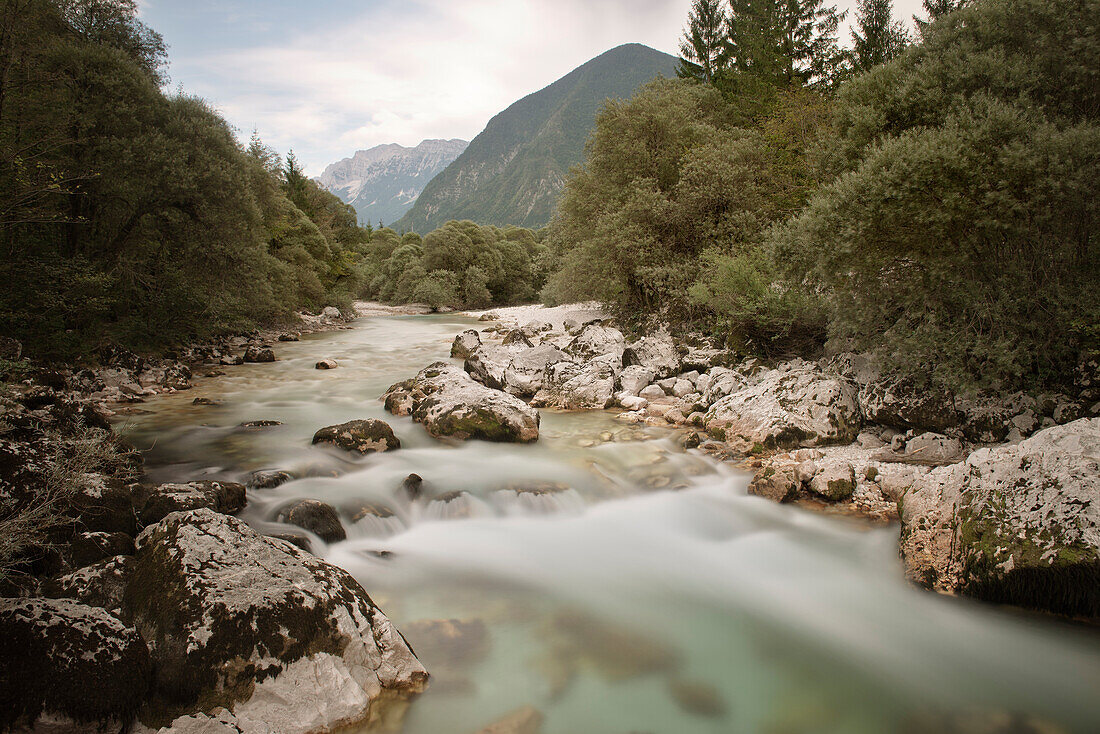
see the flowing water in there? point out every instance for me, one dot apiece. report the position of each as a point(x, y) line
point(608, 578)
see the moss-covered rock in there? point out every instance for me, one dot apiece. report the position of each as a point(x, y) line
point(361, 436)
point(250, 623)
point(74, 665)
point(834, 482)
point(156, 502)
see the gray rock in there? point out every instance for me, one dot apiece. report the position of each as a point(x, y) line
point(776, 483)
point(88, 548)
point(155, 502)
point(720, 382)
point(632, 402)
point(1015, 524)
point(450, 403)
point(69, 667)
point(653, 392)
point(317, 517)
point(330, 313)
point(575, 386)
point(517, 337)
point(596, 340)
point(928, 449)
point(518, 371)
point(465, 344)
point(103, 505)
point(682, 387)
point(657, 352)
point(361, 436)
point(835, 481)
point(259, 354)
point(795, 405)
point(251, 624)
point(326, 364)
point(635, 378)
point(229, 360)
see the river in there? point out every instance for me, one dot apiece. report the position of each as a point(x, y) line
point(641, 591)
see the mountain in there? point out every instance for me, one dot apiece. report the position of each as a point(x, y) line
point(513, 171)
point(382, 183)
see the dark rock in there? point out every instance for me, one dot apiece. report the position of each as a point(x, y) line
point(267, 479)
point(326, 364)
point(158, 501)
point(363, 436)
point(204, 401)
point(103, 505)
point(88, 548)
point(517, 337)
point(413, 486)
point(75, 666)
point(261, 424)
point(288, 337)
point(101, 584)
point(315, 516)
point(298, 540)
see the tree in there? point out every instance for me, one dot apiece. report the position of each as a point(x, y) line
point(877, 37)
point(704, 49)
point(936, 9)
point(295, 181)
point(808, 38)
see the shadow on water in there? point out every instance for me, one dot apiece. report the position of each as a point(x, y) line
point(609, 579)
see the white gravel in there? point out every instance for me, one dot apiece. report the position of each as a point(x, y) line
point(556, 315)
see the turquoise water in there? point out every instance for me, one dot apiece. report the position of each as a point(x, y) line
point(641, 591)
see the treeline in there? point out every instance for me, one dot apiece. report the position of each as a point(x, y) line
point(934, 199)
point(135, 217)
point(458, 265)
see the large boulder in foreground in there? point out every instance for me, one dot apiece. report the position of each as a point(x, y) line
point(279, 639)
point(361, 436)
point(451, 403)
point(68, 667)
point(1013, 524)
point(794, 405)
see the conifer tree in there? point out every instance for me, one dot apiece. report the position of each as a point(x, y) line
point(877, 37)
point(295, 181)
point(704, 49)
point(936, 9)
point(785, 42)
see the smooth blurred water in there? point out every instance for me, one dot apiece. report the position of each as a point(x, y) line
point(638, 589)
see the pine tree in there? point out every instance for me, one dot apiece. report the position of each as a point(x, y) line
point(295, 181)
point(785, 42)
point(935, 9)
point(879, 37)
point(704, 49)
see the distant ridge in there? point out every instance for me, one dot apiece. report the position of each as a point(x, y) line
point(513, 171)
point(383, 182)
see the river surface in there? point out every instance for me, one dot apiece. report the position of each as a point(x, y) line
point(642, 590)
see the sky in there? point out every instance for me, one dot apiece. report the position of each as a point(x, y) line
point(329, 77)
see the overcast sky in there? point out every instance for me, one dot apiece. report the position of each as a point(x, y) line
point(330, 77)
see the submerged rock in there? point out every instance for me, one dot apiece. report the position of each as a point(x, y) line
point(796, 405)
point(524, 720)
point(317, 517)
point(450, 403)
point(309, 650)
point(1013, 524)
point(69, 667)
point(363, 436)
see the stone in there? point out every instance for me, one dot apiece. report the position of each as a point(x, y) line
point(330, 313)
point(516, 337)
point(465, 344)
point(254, 625)
point(259, 354)
point(991, 419)
point(697, 697)
point(230, 360)
point(450, 403)
point(776, 483)
point(656, 352)
point(652, 392)
point(69, 667)
point(597, 340)
point(525, 720)
point(720, 382)
point(103, 505)
point(795, 405)
point(263, 423)
point(360, 436)
point(834, 482)
point(900, 403)
point(927, 449)
point(1016, 524)
point(288, 337)
point(326, 364)
point(412, 486)
point(682, 387)
point(635, 378)
point(317, 517)
point(575, 386)
point(516, 370)
point(88, 548)
point(267, 479)
point(631, 402)
point(204, 401)
point(155, 502)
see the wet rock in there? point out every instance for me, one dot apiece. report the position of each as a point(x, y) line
point(450, 403)
point(155, 502)
point(230, 360)
point(412, 487)
point(326, 364)
point(88, 548)
point(267, 479)
point(795, 405)
point(69, 667)
point(265, 423)
point(259, 354)
point(690, 440)
point(315, 516)
point(451, 643)
point(525, 720)
point(288, 337)
point(359, 509)
point(1017, 524)
point(834, 482)
point(697, 697)
point(362, 436)
point(453, 505)
point(207, 589)
point(465, 344)
point(575, 386)
point(656, 352)
point(204, 401)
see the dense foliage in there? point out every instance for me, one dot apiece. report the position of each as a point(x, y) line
point(940, 207)
point(135, 217)
point(458, 265)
